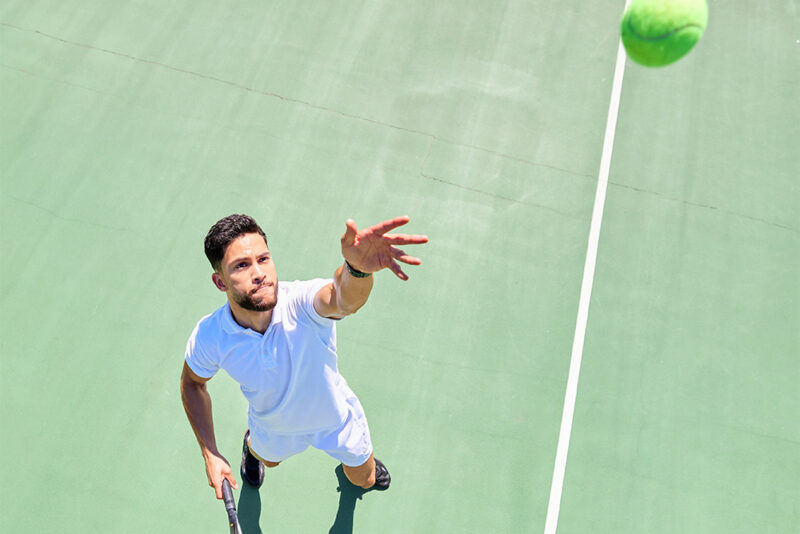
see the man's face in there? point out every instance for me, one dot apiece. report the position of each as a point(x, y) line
point(248, 274)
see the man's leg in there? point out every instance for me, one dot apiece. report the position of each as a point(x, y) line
point(252, 468)
point(351, 444)
point(259, 458)
point(362, 476)
point(372, 474)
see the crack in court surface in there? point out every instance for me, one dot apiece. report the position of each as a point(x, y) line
point(705, 206)
point(488, 193)
point(293, 100)
point(58, 216)
point(431, 136)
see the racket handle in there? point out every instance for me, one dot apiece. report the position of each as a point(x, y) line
point(227, 495)
point(230, 506)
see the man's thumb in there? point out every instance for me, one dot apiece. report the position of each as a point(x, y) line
point(350, 232)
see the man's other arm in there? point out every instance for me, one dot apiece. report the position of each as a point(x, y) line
point(197, 404)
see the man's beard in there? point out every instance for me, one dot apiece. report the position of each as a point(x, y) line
point(248, 303)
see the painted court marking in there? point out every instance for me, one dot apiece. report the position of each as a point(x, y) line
point(551, 523)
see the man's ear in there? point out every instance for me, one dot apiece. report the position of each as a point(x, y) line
point(219, 282)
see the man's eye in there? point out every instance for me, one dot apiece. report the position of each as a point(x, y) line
point(265, 259)
point(243, 264)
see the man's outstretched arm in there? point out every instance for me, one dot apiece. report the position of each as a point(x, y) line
point(365, 252)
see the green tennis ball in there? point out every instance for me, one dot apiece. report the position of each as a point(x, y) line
point(658, 32)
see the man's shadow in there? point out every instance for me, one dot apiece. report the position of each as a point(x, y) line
point(348, 495)
point(249, 509)
point(249, 506)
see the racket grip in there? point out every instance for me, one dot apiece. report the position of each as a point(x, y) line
point(227, 496)
point(230, 507)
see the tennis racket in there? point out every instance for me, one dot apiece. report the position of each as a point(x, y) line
point(230, 507)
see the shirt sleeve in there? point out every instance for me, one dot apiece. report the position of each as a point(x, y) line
point(198, 359)
point(305, 299)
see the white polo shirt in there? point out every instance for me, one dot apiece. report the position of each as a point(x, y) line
point(289, 374)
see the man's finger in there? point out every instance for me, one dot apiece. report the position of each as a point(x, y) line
point(405, 258)
point(390, 224)
point(395, 267)
point(405, 239)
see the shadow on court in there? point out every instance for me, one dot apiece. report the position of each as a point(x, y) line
point(249, 506)
point(249, 509)
point(348, 495)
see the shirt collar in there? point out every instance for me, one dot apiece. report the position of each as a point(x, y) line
point(230, 325)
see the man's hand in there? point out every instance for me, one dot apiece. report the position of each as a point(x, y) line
point(217, 469)
point(372, 249)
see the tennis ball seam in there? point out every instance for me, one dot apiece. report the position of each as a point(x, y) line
point(662, 36)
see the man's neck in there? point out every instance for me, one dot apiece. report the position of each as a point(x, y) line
point(254, 320)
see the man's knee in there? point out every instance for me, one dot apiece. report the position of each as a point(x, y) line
point(365, 479)
point(370, 481)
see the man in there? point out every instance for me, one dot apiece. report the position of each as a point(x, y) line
point(278, 340)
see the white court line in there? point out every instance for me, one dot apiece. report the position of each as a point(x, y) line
point(557, 485)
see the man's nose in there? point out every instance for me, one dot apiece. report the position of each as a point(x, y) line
point(257, 273)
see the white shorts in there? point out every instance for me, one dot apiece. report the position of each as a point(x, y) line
point(350, 443)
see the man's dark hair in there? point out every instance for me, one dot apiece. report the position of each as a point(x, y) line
point(226, 230)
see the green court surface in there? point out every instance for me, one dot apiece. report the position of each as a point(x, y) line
point(128, 128)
